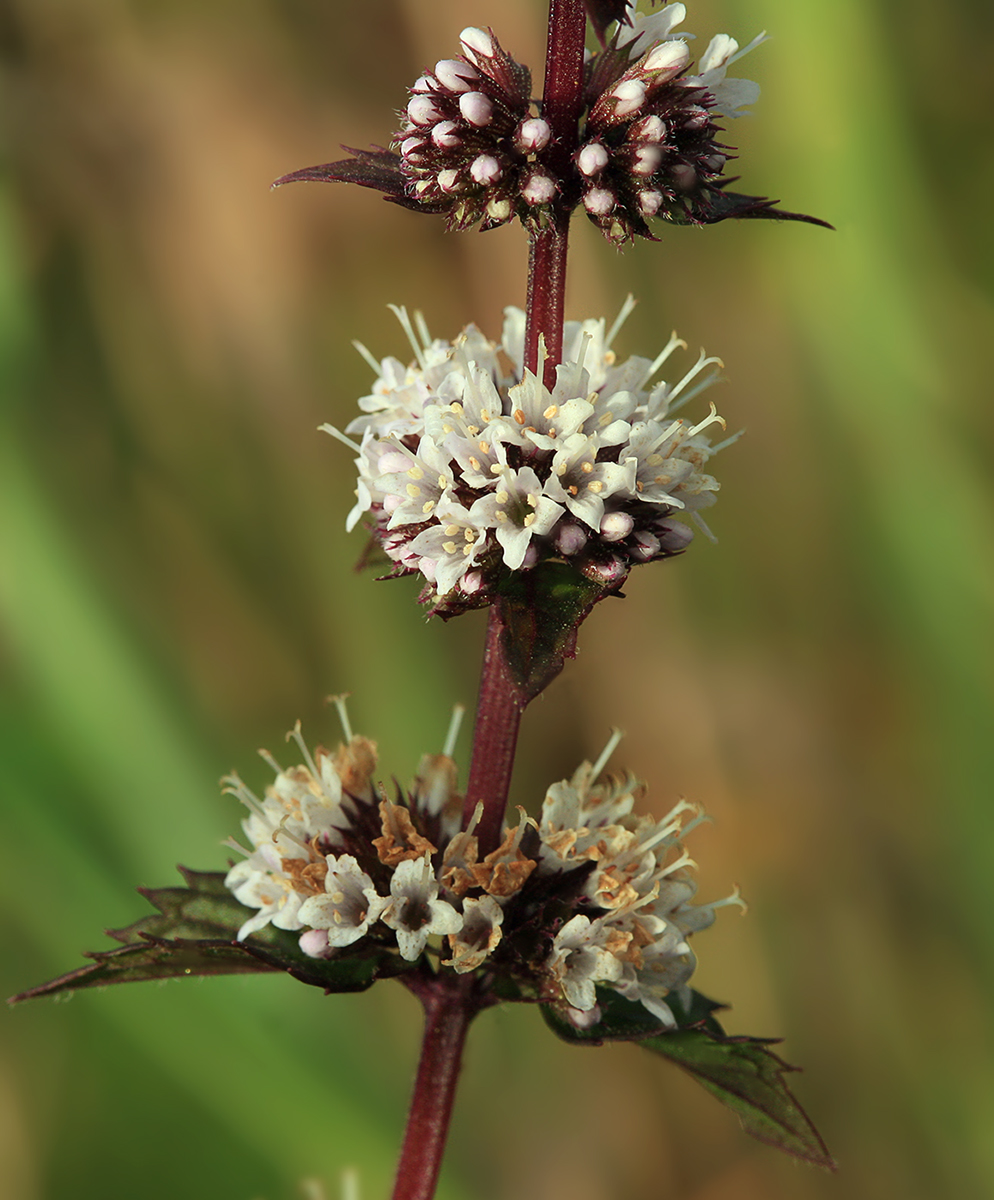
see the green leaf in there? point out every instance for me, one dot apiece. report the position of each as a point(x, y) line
point(195, 932)
point(542, 611)
point(742, 1072)
point(747, 1077)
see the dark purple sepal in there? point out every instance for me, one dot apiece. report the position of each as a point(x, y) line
point(195, 932)
point(603, 13)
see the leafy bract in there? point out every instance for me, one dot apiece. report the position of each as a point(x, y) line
point(742, 1072)
point(195, 932)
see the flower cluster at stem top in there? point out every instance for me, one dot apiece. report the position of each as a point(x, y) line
point(588, 894)
point(476, 147)
point(469, 467)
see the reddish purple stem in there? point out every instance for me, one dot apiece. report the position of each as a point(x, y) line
point(449, 1007)
point(501, 701)
point(449, 1001)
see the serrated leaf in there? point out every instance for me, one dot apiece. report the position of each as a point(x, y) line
point(195, 933)
point(722, 206)
point(374, 168)
point(747, 1077)
point(742, 1072)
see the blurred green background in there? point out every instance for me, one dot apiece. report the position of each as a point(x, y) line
point(176, 590)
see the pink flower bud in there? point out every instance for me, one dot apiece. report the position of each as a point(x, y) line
point(615, 526)
point(599, 202)
point(532, 135)
point(476, 108)
point(455, 75)
point(485, 169)
point(570, 539)
point(477, 42)
point(538, 188)
point(647, 160)
point(650, 203)
point(422, 111)
point(445, 135)
point(592, 159)
point(629, 95)
point(669, 57)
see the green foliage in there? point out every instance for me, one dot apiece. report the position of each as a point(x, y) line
point(195, 933)
point(542, 611)
point(741, 1072)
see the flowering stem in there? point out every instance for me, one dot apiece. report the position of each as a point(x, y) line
point(449, 1006)
point(562, 103)
point(503, 692)
point(498, 716)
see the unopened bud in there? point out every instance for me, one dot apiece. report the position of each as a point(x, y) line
point(592, 159)
point(629, 96)
point(616, 526)
point(485, 169)
point(670, 57)
point(445, 135)
point(532, 135)
point(644, 546)
point(477, 41)
point(422, 111)
point(647, 129)
point(650, 203)
point(314, 943)
point(448, 181)
point(674, 536)
point(455, 75)
point(538, 188)
point(647, 160)
point(476, 108)
point(570, 539)
point(599, 202)
point(684, 176)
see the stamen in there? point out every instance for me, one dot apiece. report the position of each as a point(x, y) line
point(405, 323)
point(343, 714)
point(668, 349)
point(620, 319)
point(450, 738)
point(335, 433)
point(609, 749)
point(298, 737)
point(367, 356)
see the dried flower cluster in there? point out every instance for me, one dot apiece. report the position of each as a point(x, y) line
point(468, 470)
point(587, 895)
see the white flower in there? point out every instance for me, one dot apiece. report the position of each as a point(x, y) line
point(478, 472)
point(479, 936)
point(583, 955)
point(732, 96)
point(415, 913)
point(349, 905)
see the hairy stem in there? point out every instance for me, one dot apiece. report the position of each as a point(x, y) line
point(449, 1007)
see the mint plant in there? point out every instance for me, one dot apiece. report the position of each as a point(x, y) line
point(527, 476)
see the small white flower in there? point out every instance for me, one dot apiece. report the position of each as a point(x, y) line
point(349, 905)
point(414, 912)
point(581, 959)
point(480, 934)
